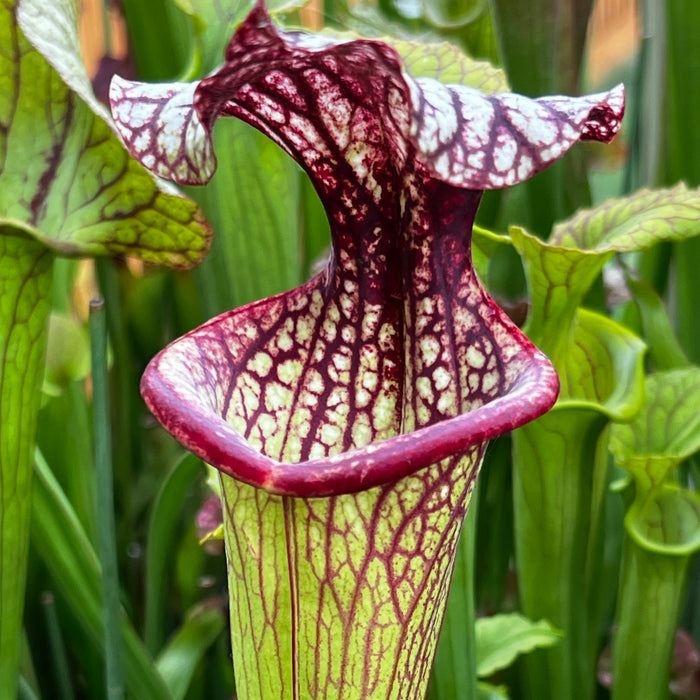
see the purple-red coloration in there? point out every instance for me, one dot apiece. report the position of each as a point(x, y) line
point(309, 92)
point(377, 383)
point(399, 303)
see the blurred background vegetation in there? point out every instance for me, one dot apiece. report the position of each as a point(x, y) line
point(269, 233)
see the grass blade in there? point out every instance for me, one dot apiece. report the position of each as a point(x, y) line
point(105, 502)
point(58, 648)
point(62, 544)
point(178, 661)
point(166, 512)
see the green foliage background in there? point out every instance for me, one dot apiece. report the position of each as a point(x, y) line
point(269, 232)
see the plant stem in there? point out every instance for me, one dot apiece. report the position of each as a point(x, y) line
point(105, 502)
point(106, 26)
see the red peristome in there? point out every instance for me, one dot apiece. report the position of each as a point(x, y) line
point(209, 387)
point(210, 437)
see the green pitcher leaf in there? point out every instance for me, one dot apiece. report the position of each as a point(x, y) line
point(63, 170)
point(559, 483)
point(558, 278)
point(649, 606)
point(665, 432)
point(449, 64)
point(601, 381)
point(604, 367)
point(500, 639)
point(667, 521)
point(561, 271)
point(663, 531)
point(559, 468)
point(635, 222)
point(25, 294)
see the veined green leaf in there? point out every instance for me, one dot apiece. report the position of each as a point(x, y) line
point(500, 639)
point(666, 430)
point(666, 521)
point(635, 222)
point(67, 186)
point(63, 170)
point(449, 64)
point(25, 293)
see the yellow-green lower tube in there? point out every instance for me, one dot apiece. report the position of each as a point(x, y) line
point(343, 597)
